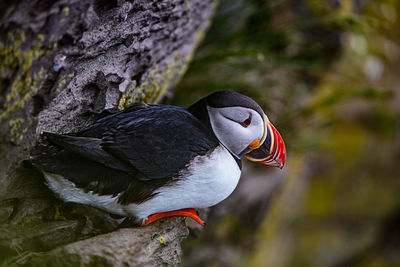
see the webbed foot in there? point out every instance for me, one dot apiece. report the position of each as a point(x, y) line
point(190, 212)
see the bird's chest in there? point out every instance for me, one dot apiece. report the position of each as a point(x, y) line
point(207, 181)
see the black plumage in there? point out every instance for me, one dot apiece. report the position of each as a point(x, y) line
point(223, 99)
point(132, 152)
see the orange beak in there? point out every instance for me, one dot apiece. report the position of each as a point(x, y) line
point(272, 152)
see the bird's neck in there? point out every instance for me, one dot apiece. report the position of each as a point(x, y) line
point(199, 110)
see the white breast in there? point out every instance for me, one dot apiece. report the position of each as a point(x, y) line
point(206, 182)
point(209, 180)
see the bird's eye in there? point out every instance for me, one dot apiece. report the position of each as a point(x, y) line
point(246, 122)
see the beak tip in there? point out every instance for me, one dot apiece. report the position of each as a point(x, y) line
point(281, 165)
point(280, 150)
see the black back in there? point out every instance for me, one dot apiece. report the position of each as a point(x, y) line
point(133, 151)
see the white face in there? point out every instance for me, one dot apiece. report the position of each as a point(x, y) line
point(236, 127)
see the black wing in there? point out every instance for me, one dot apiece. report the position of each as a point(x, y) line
point(145, 141)
point(96, 177)
point(160, 142)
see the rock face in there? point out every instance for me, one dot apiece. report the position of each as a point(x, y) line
point(61, 64)
point(155, 245)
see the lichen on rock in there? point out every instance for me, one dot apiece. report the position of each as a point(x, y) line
point(61, 64)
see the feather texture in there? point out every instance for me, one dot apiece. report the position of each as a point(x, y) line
point(130, 153)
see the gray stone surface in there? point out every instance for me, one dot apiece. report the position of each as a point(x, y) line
point(155, 245)
point(61, 64)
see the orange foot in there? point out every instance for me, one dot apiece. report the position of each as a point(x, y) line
point(192, 213)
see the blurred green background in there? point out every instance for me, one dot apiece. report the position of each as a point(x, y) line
point(327, 73)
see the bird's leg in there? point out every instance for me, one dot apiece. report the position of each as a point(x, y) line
point(190, 212)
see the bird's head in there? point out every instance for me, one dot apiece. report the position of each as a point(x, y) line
point(242, 127)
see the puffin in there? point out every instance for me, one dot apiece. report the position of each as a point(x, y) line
point(152, 161)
